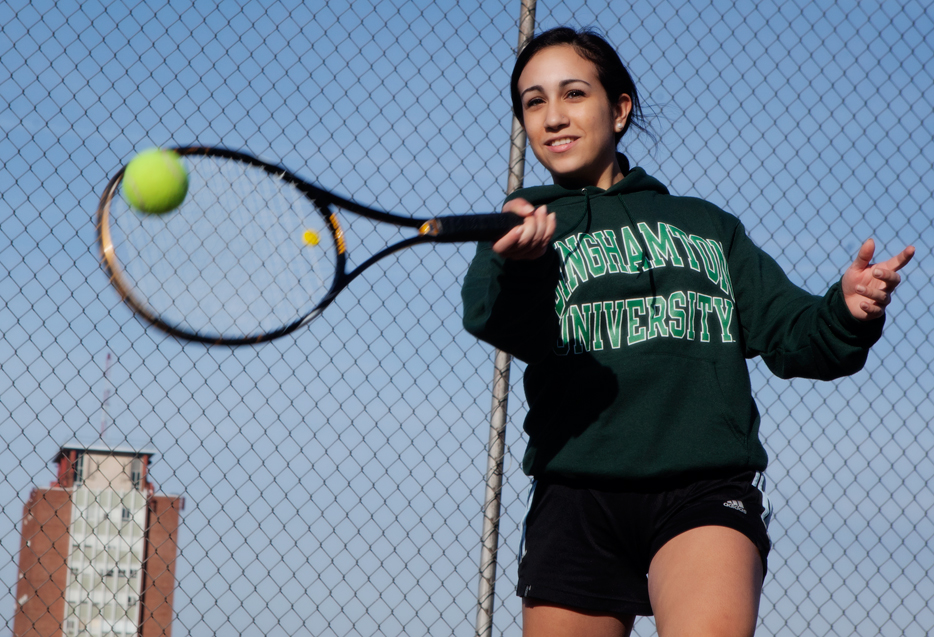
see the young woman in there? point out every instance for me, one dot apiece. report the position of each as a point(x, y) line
point(635, 311)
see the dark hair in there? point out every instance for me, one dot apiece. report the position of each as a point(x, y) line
point(589, 45)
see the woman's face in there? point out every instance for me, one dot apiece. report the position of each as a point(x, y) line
point(569, 120)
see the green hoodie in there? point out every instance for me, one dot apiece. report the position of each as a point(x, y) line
point(636, 327)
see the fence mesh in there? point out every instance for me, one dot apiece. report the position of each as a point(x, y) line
point(333, 481)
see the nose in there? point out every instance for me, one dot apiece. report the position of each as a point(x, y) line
point(555, 118)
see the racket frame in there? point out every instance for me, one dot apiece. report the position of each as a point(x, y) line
point(443, 229)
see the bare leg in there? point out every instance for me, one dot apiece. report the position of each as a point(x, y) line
point(542, 619)
point(706, 582)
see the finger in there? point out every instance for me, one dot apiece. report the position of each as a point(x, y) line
point(541, 225)
point(519, 206)
point(539, 241)
point(889, 278)
point(507, 242)
point(529, 240)
point(900, 260)
point(877, 295)
point(516, 245)
point(864, 256)
point(529, 229)
point(872, 311)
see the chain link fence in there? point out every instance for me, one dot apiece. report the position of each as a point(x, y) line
point(333, 481)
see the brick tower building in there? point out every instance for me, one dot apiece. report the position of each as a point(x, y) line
point(97, 556)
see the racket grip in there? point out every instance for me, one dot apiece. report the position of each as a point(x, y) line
point(481, 227)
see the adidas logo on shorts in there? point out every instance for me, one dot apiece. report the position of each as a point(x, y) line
point(735, 504)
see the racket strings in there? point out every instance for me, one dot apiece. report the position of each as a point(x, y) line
point(231, 260)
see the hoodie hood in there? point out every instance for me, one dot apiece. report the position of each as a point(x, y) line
point(636, 180)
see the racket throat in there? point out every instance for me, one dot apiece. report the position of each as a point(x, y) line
point(431, 228)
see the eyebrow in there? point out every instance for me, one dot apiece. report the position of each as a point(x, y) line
point(562, 85)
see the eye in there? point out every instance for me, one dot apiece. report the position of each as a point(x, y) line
point(575, 93)
point(534, 101)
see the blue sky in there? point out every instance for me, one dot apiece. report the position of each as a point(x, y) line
point(334, 478)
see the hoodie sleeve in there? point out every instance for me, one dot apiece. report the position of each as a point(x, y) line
point(511, 304)
point(797, 334)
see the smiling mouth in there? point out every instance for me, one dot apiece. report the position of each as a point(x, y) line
point(558, 144)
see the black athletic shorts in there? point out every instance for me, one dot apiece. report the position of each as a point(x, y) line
point(591, 549)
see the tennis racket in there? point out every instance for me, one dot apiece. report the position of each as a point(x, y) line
point(253, 253)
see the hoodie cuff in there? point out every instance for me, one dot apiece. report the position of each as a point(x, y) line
point(863, 332)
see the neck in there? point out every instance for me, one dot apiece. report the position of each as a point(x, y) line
point(610, 175)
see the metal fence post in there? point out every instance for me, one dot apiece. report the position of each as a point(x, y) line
point(497, 446)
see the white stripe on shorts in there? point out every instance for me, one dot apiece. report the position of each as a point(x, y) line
point(758, 482)
point(525, 518)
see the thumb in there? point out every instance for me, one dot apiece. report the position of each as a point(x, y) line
point(519, 206)
point(864, 256)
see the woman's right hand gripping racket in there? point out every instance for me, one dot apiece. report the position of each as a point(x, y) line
point(252, 254)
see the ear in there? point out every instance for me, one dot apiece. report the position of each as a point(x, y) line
point(621, 111)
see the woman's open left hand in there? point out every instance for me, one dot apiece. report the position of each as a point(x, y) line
point(867, 287)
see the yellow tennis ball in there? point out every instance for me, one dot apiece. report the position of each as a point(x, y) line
point(155, 181)
point(310, 237)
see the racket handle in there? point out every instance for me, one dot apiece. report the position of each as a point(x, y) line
point(482, 227)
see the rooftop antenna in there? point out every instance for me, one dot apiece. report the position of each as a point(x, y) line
point(104, 418)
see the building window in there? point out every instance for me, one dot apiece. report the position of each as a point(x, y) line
point(136, 472)
point(126, 516)
point(79, 469)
